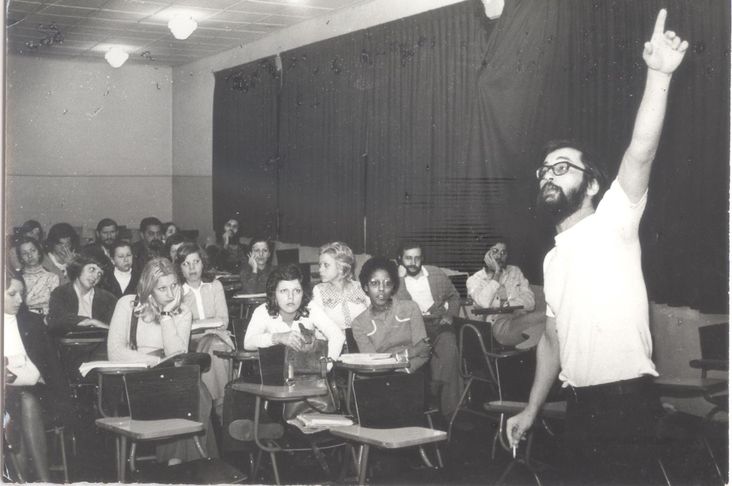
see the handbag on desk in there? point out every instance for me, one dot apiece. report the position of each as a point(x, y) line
point(309, 365)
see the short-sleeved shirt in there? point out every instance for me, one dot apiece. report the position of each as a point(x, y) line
point(595, 290)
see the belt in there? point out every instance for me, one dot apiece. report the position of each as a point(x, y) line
point(615, 388)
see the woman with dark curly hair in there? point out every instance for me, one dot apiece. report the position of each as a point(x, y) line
point(390, 325)
point(286, 312)
point(80, 303)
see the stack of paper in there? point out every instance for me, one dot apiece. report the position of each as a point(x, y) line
point(314, 422)
point(368, 358)
point(316, 419)
point(85, 368)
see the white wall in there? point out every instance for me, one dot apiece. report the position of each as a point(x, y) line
point(193, 96)
point(86, 141)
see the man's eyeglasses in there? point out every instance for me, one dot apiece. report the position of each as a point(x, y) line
point(558, 169)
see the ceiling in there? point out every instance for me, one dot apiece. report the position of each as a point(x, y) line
point(88, 28)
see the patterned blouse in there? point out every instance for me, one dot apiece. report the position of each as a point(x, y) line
point(341, 307)
point(39, 283)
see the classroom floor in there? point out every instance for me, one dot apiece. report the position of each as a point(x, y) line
point(468, 460)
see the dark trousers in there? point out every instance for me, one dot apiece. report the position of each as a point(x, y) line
point(610, 434)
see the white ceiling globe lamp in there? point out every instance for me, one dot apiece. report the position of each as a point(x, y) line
point(182, 26)
point(115, 56)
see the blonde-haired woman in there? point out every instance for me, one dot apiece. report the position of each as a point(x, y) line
point(339, 294)
point(153, 325)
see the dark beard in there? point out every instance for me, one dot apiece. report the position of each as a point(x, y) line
point(409, 272)
point(565, 204)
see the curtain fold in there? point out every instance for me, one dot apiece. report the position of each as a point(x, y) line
point(322, 144)
point(245, 149)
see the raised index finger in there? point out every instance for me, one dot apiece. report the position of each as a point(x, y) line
point(660, 22)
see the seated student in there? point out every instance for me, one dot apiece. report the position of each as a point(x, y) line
point(62, 245)
point(338, 294)
point(151, 241)
point(39, 282)
point(29, 229)
point(288, 306)
point(256, 270)
point(172, 243)
point(79, 303)
point(123, 278)
point(229, 251)
point(207, 303)
point(390, 325)
point(36, 392)
point(498, 284)
point(169, 229)
point(105, 236)
point(150, 326)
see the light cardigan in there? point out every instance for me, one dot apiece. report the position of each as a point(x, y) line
point(262, 326)
point(213, 301)
point(170, 335)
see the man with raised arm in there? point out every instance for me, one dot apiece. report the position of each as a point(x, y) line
point(597, 337)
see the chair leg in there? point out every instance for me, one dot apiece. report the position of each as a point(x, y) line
point(425, 459)
point(199, 447)
point(457, 409)
point(713, 458)
point(257, 462)
point(363, 465)
point(274, 467)
point(664, 472)
point(62, 443)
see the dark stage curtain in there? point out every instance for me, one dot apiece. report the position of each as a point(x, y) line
point(322, 144)
point(430, 127)
point(573, 69)
point(245, 147)
point(420, 184)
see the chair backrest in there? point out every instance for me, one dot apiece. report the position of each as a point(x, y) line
point(460, 282)
point(390, 400)
point(473, 356)
point(351, 345)
point(239, 328)
point(163, 393)
point(287, 256)
point(272, 365)
point(714, 341)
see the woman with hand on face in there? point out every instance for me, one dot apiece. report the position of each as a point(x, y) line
point(207, 302)
point(338, 294)
point(169, 229)
point(80, 303)
point(258, 267)
point(288, 307)
point(39, 282)
point(151, 326)
point(62, 245)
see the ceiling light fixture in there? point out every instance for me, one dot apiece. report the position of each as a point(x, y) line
point(115, 56)
point(182, 26)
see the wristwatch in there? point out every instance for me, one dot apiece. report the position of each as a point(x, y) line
point(166, 314)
